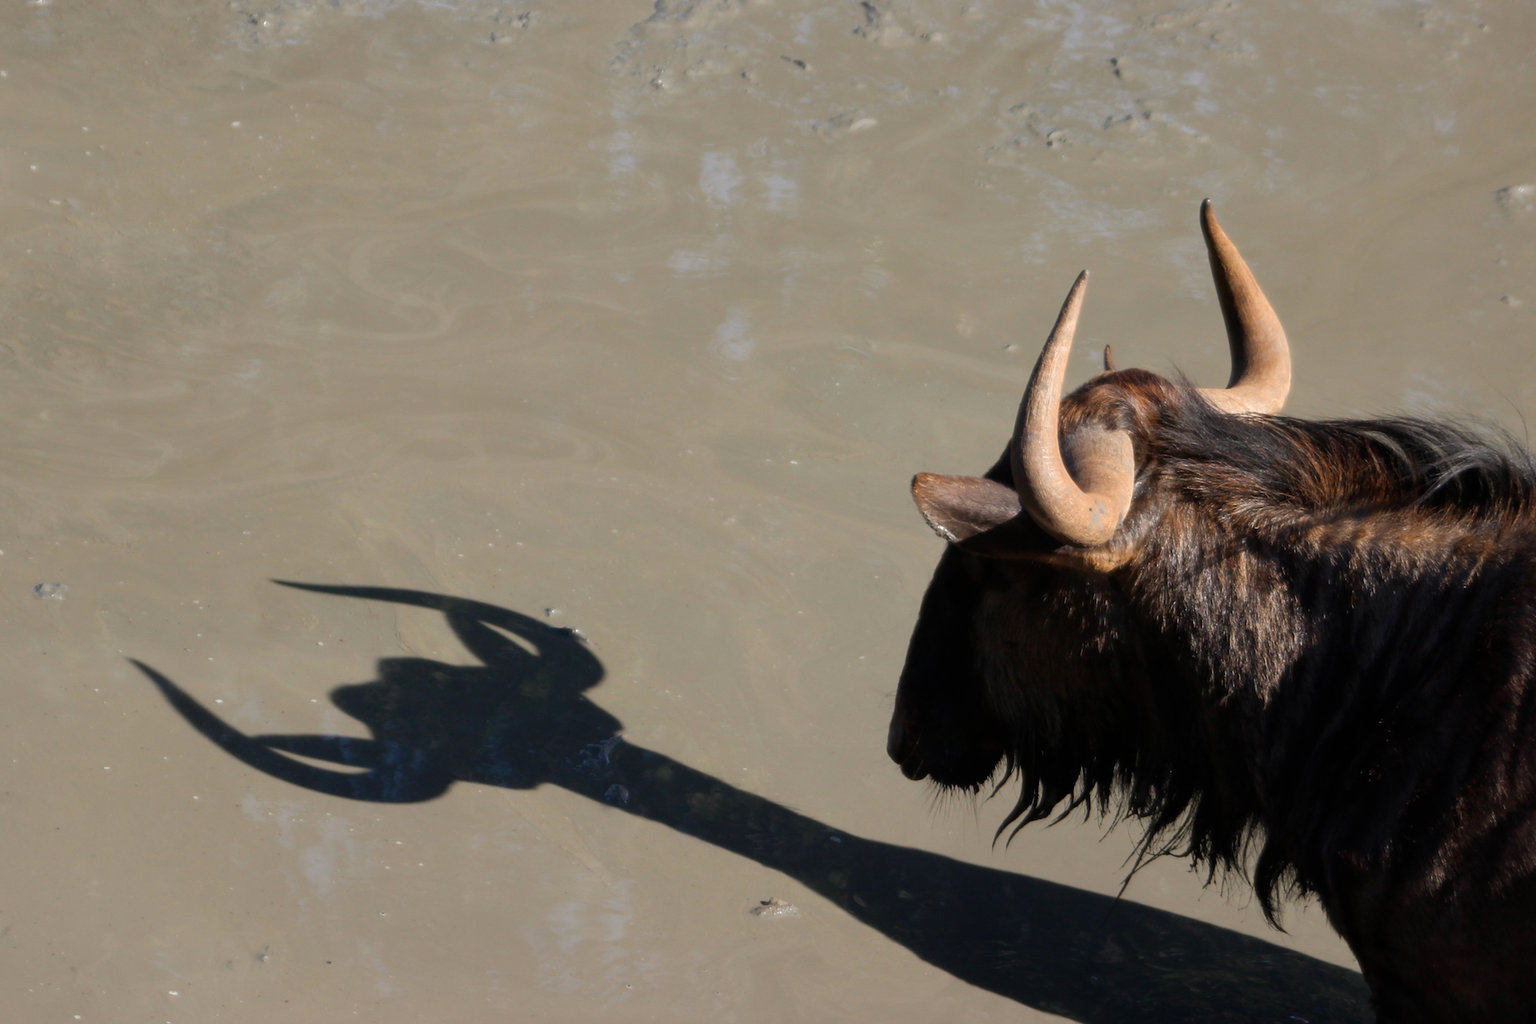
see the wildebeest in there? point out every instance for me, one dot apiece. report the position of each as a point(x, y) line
point(1302, 651)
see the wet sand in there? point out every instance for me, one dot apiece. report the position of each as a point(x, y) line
point(492, 323)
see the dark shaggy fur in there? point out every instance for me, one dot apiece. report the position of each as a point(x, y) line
point(1315, 659)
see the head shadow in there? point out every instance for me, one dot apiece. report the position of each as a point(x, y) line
point(522, 718)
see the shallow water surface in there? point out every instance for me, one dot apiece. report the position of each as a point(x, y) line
point(572, 359)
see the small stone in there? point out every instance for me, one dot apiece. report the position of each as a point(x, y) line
point(775, 907)
point(49, 591)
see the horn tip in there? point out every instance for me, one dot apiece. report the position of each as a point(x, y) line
point(1208, 226)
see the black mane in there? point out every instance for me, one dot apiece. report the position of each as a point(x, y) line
point(1368, 464)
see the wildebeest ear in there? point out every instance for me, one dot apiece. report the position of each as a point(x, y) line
point(960, 507)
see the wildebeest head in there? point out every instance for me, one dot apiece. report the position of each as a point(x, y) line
point(1026, 652)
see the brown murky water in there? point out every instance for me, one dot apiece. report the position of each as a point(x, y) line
point(635, 318)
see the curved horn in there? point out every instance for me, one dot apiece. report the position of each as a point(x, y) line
point(1261, 360)
point(1102, 459)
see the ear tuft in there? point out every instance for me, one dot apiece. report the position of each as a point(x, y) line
point(958, 508)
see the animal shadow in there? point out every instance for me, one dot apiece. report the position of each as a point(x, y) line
point(521, 718)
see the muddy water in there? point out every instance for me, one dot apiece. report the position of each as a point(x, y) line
point(634, 319)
